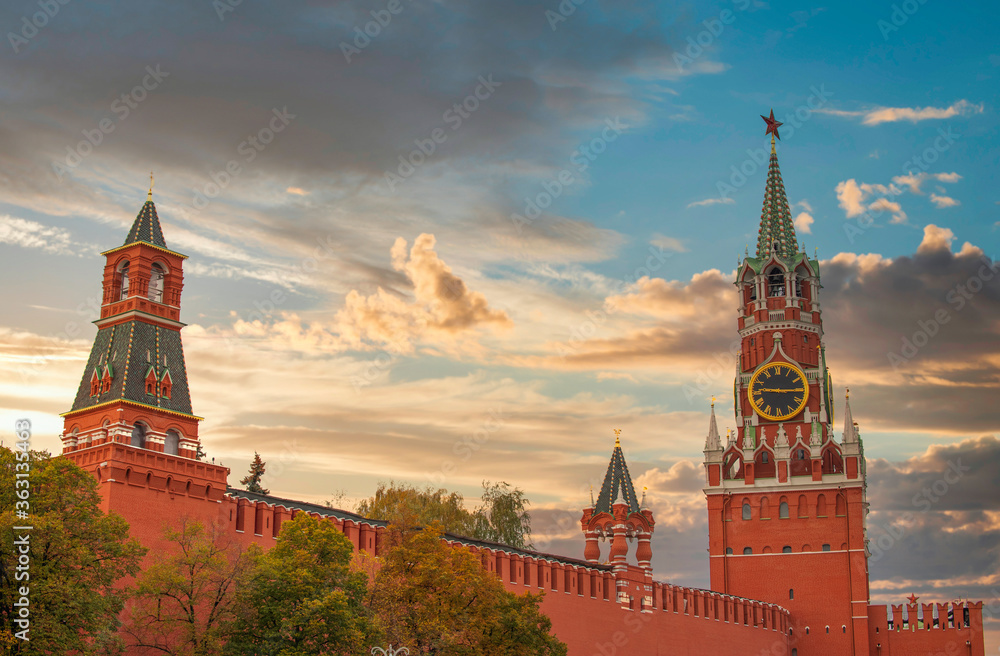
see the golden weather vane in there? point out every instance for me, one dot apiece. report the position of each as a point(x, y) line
point(149, 196)
point(618, 433)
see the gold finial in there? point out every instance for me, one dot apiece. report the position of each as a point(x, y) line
point(149, 196)
point(618, 432)
point(713, 400)
point(848, 390)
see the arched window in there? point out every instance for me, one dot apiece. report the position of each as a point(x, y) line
point(746, 510)
point(747, 551)
point(783, 509)
point(729, 551)
point(807, 630)
point(827, 628)
point(786, 549)
point(172, 442)
point(791, 591)
point(826, 547)
point(139, 436)
point(843, 628)
point(156, 283)
point(776, 282)
point(821, 506)
point(763, 457)
point(123, 280)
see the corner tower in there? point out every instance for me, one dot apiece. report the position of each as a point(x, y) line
point(786, 500)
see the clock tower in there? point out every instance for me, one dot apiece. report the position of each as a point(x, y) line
point(786, 498)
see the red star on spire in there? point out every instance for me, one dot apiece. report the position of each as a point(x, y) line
point(772, 125)
point(913, 599)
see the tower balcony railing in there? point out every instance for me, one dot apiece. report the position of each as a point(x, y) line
point(142, 305)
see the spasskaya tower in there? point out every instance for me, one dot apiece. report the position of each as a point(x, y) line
point(786, 499)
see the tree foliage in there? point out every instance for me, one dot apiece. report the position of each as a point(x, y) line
point(251, 481)
point(434, 598)
point(78, 557)
point(184, 600)
point(502, 517)
point(302, 596)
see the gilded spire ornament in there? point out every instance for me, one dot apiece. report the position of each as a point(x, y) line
point(149, 195)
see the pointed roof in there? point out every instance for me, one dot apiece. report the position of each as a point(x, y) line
point(775, 217)
point(617, 483)
point(146, 227)
point(850, 433)
point(713, 442)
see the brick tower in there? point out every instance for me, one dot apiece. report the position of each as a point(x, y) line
point(786, 500)
point(619, 516)
point(131, 423)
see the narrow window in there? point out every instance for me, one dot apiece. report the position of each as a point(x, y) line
point(776, 283)
point(172, 442)
point(791, 591)
point(156, 284)
point(139, 436)
point(746, 510)
point(783, 510)
point(763, 458)
point(123, 281)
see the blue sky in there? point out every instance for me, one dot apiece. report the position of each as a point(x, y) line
point(373, 366)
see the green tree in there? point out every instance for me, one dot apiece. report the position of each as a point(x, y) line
point(78, 558)
point(408, 506)
point(504, 516)
point(302, 596)
point(252, 480)
point(184, 600)
point(434, 598)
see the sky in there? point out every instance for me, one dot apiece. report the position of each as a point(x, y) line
point(441, 243)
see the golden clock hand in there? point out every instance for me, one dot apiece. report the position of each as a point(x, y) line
point(772, 389)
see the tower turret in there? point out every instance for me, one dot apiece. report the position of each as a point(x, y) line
point(618, 515)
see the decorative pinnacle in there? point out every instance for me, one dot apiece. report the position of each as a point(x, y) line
point(713, 400)
point(618, 432)
point(149, 196)
point(848, 390)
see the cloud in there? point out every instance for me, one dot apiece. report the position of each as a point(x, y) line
point(442, 301)
point(915, 180)
point(803, 223)
point(880, 115)
point(885, 205)
point(32, 234)
point(671, 244)
point(712, 201)
point(944, 201)
point(935, 240)
point(849, 197)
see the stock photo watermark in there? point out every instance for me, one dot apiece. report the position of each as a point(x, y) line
point(121, 107)
point(22, 534)
point(453, 117)
point(248, 149)
point(959, 296)
point(363, 34)
point(31, 25)
point(580, 160)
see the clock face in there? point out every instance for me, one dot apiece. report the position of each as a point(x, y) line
point(778, 391)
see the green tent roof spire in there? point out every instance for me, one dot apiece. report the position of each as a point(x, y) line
point(776, 225)
point(146, 227)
